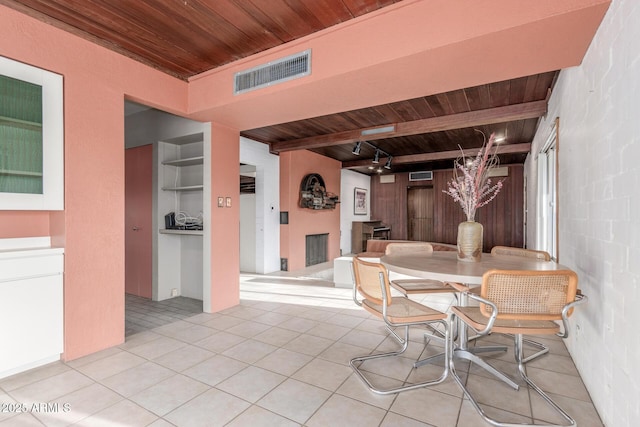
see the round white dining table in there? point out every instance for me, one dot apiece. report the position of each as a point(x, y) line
point(444, 266)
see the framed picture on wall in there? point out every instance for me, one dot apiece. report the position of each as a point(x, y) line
point(360, 201)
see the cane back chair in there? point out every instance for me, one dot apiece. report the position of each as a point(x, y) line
point(527, 253)
point(530, 253)
point(416, 286)
point(521, 302)
point(373, 293)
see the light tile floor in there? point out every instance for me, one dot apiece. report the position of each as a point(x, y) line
point(142, 314)
point(280, 358)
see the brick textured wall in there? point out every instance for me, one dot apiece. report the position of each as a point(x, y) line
point(598, 105)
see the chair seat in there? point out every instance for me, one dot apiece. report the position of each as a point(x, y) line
point(473, 317)
point(421, 286)
point(372, 284)
point(403, 310)
point(518, 302)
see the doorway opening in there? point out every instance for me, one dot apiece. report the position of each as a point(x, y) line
point(248, 256)
point(165, 248)
point(547, 204)
point(420, 214)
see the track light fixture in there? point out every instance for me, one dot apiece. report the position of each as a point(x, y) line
point(376, 157)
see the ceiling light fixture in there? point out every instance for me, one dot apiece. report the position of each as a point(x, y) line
point(388, 164)
point(356, 149)
point(375, 131)
point(376, 157)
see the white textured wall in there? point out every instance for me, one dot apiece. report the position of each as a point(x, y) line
point(349, 180)
point(149, 126)
point(267, 224)
point(248, 233)
point(598, 104)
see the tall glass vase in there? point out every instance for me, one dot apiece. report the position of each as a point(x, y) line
point(470, 241)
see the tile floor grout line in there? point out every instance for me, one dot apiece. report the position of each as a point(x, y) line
point(333, 324)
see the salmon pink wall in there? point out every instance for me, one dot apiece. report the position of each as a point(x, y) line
point(407, 50)
point(225, 221)
point(96, 82)
point(294, 166)
point(410, 49)
point(24, 224)
point(286, 187)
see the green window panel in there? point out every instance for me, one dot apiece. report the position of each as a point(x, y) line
point(21, 150)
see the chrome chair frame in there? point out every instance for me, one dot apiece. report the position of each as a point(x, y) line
point(420, 286)
point(518, 340)
point(387, 301)
point(530, 253)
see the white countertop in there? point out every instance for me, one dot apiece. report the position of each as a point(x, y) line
point(27, 247)
point(29, 252)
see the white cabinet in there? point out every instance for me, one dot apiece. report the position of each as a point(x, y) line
point(31, 138)
point(31, 304)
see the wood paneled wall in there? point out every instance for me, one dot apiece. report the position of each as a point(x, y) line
point(502, 219)
point(389, 204)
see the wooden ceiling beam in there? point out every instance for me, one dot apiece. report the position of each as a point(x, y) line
point(527, 110)
point(441, 155)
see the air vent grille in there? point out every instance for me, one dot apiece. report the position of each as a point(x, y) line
point(421, 176)
point(282, 70)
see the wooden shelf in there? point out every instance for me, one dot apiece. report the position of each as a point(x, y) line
point(185, 188)
point(183, 232)
point(191, 161)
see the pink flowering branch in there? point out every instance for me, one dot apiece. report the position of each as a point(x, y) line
point(471, 186)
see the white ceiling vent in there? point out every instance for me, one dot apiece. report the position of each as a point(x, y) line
point(282, 70)
point(421, 176)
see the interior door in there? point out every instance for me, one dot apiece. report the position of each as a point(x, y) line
point(420, 213)
point(138, 211)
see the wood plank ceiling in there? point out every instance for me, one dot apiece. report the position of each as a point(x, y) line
point(429, 131)
point(185, 38)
